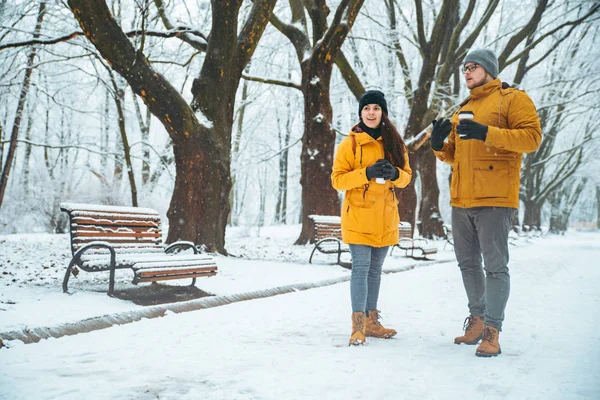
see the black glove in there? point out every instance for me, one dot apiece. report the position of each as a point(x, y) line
point(441, 130)
point(376, 170)
point(390, 173)
point(469, 129)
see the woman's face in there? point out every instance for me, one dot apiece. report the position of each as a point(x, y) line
point(371, 115)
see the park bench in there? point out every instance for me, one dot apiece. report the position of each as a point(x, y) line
point(107, 238)
point(327, 236)
point(417, 248)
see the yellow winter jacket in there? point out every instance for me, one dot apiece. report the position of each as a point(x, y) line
point(488, 173)
point(369, 210)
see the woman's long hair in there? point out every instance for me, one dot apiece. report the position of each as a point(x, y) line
point(393, 145)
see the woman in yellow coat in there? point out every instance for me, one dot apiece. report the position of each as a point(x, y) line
point(369, 165)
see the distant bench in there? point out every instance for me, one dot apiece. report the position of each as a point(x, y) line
point(107, 238)
point(417, 248)
point(327, 236)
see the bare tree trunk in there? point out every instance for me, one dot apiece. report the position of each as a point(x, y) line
point(284, 141)
point(20, 105)
point(232, 220)
point(532, 214)
point(562, 203)
point(27, 155)
point(119, 96)
point(145, 133)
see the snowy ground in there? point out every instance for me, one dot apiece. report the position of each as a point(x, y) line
point(294, 346)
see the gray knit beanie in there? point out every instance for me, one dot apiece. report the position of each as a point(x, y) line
point(486, 58)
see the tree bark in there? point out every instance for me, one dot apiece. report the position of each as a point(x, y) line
point(199, 205)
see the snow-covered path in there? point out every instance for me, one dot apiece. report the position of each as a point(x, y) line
point(294, 346)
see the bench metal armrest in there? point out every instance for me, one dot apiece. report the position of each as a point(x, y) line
point(77, 257)
point(423, 240)
point(183, 245)
point(403, 241)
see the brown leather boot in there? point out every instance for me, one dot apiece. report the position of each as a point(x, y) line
point(473, 327)
point(489, 346)
point(358, 329)
point(374, 328)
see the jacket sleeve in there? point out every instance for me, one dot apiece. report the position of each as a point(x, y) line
point(405, 174)
point(344, 176)
point(525, 133)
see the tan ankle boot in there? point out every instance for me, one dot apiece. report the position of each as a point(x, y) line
point(358, 329)
point(473, 328)
point(489, 346)
point(374, 328)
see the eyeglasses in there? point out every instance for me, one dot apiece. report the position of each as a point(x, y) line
point(469, 68)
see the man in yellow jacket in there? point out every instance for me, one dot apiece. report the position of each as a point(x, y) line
point(487, 137)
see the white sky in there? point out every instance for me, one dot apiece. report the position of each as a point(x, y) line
point(294, 346)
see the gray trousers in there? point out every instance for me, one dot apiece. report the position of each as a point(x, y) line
point(477, 232)
point(365, 280)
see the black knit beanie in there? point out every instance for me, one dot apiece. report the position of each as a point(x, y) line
point(372, 97)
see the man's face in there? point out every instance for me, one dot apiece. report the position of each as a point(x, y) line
point(475, 75)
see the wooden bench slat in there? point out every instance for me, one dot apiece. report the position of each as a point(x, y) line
point(169, 277)
point(181, 271)
point(76, 222)
point(135, 235)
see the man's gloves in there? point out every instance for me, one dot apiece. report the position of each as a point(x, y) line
point(382, 169)
point(376, 170)
point(441, 130)
point(390, 173)
point(469, 129)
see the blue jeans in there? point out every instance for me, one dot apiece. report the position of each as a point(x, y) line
point(366, 276)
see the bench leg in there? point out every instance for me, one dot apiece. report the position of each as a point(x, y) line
point(311, 255)
point(111, 283)
point(68, 275)
point(193, 282)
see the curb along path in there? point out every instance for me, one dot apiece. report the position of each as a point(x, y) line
point(34, 335)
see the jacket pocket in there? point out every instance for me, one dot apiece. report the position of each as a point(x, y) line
point(360, 212)
point(454, 181)
point(390, 215)
point(490, 179)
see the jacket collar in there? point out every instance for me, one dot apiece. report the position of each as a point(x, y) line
point(361, 137)
point(485, 89)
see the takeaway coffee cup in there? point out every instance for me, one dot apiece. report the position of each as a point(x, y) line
point(465, 115)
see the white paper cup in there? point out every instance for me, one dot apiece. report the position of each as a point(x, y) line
point(465, 115)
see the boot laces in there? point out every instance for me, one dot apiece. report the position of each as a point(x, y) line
point(488, 334)
point(469, 321)
point(377, 317)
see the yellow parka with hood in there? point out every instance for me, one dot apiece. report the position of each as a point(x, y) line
point(369, 210)
point(488, 173)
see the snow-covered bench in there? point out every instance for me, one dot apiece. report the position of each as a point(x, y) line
point(417, 248)
point(327, 236)
point(107, 238)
